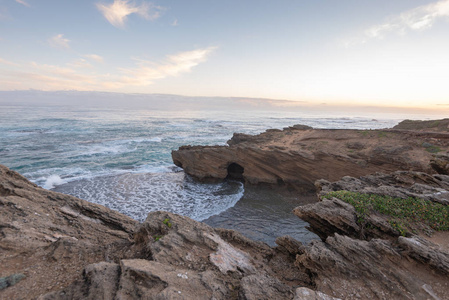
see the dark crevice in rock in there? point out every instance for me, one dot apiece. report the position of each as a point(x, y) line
point(235, 172)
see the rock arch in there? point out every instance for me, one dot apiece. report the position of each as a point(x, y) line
point(235, 172)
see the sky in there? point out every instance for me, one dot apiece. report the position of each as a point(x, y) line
point(351, 52)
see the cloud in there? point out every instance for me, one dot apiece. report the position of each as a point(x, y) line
point(23, 3)
point(94, 57)
point(175, 23)
point(80, 63)
point(174, 65)
point(8, 63)
point(75, 75)
point(417, 19)
point(118, 12)
point(58, 41)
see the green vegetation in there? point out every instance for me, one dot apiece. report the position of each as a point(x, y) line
point(436, 123)
point(167, 222)
point(382, 134)
point(433, 149)
point(364, 132)
point(404, 214)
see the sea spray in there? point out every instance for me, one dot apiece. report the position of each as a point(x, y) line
point(53, 181)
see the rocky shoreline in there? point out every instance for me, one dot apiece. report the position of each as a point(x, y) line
point(55, 246)
point(299, 155)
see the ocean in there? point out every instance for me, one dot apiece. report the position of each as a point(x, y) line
point(121, 158)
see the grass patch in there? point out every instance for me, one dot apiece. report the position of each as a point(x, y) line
point(364, 133)
point(167, 222)
point(433, 149)
point(382, 134)
point(404, 214)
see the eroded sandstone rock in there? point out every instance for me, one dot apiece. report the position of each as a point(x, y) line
point(298, 156)
point(184, 259)
point(399, 184)
point(377, 269)
point(50, 237)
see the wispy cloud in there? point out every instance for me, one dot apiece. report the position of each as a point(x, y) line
point(23, 3)
point(58, 41)
point(175, 23)
point(417, 19)
point(118, 11)
point(8, 63)
point(80, 63)
point(148, 71)
point(74, 75)
point(94, 57)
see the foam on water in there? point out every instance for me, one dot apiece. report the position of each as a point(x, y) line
point(53, 181)
point(137, 194)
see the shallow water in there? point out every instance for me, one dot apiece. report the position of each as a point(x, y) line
point(264, 214)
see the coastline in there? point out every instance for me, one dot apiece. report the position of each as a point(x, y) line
point(50, 237)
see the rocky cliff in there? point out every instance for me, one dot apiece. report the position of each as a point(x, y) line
point(55, 246)
point(364, 254)
point(47, 238)
point(298, 156)
point(59, 247)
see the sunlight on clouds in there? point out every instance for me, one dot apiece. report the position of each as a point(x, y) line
point(420, 18)
point(45, 77)
point(183, 62)
point(80, 63)
point(74, 76)
point(94, 57)
point(8, 63)
point(58, 41)
point(118, 12)
point(23, 3)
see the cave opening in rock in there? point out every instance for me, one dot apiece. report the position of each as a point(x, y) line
point(235, 172)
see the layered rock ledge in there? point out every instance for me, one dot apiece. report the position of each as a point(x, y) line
point(59, 247)
point(298, 156)
point(55, 246)
point(369, 258)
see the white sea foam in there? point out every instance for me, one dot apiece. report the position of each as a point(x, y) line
point(155, 140)
point(156, 169)
point(138, 194)
point(53, 181)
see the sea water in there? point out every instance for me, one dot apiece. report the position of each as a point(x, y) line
point(121, 158)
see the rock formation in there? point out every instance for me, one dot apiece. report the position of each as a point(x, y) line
point(375, 262)
point(180, 258)
point(84, 251)
point(427, 126)
point(55, 246)
point(50, 237)
point(298, 156)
